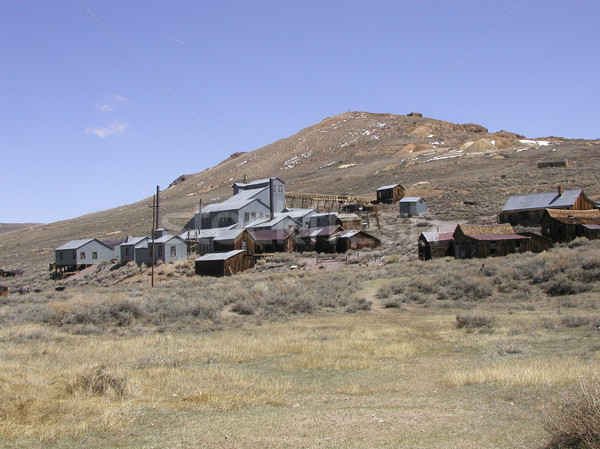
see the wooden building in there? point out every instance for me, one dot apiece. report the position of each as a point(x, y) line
point(349, 222)
point(487, 241)
point(411, 206)
point(353, 239)
point(317, 239)
point(274, 240)
point(434, 245)
point(390, 194)
point(566, 225)
point(527, 210)
point(223, 264)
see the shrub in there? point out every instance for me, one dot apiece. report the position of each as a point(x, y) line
point(96, 381)
point(473, 321)
point(574, 423)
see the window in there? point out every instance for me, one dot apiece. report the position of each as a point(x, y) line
point(493, 246)
point(82, 255)
point(94, 255)
point(246, 216)
point(160, 251)
point(253, 215)
point(74, 255)
point(127, 251)
point(173, 251)
point(280, 188)
point(517, 246)
point(60, 256)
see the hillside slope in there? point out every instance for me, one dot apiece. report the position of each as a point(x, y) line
point(463, 171)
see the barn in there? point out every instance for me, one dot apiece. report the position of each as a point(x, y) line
point(411, 206)
point(434, 245)
point(223, 264)
point(390, 194)
point(488, 241)
point(566, 225)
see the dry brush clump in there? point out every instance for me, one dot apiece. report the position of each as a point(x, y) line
point(574, 421)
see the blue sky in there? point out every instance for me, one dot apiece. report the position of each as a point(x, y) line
point(102, 100)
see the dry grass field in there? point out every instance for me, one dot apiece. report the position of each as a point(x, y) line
point(441, 354)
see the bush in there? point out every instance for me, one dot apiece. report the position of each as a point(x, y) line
point(472, 321)
point(574, 423)
point(96, 381)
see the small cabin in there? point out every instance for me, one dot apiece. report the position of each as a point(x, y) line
point(566, 225)
point(274, 240)
point(390, 194)
point(223, 264)
point(487, 241)
point(435, 245)
point(353, 239)
point(412, 206)
point(317, 239)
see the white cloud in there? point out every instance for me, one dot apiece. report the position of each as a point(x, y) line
point(114, 128)
point(111, 102)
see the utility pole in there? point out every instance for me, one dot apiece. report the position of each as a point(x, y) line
point(156, 219)
point(199, 228)
point(153, 233)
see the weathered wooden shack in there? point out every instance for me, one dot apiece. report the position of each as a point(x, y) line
point(390, 194)
point(354, 239)
point(539, 243)
point(527, 210)
point(223, 264)
point(349, 222)
point(434, 245)
point(488, 241)
point(411, 206)
point(317, 239)
point(566, 225)
point(274, 240)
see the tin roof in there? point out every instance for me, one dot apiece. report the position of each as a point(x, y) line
point(219, 256)
point(542, 200)
point(591, 226)
point(257, 182)
point(76, 244)
point(432, 237)
point(133, 241)
point(391, 186)
point(319, 232)
point(410, 199)
point(167, 238)
point(243, 198)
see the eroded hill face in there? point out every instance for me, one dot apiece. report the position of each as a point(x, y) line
point(462, 170)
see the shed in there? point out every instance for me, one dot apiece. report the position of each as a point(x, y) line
point(489, 240)
point(274, 240)
point(390, 194)
point(223, 264)
point(566, 225)
point(434, 245)
point(412, 205)
point(353, 239)
point(349, 221)
point(317, 239)
point(527, 210)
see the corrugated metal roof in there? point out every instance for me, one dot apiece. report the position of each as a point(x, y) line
point(410, 199)
point(74, 244)
point(432, 237)
point(542, 200)
point(133, 241)
point(493, 237)
point(167, 238)
point(243, 198)
point(257, 182)
point(319, 232)
point(388, 187)
point(219, 256)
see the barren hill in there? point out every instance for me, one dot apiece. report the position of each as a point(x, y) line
point(462, 170)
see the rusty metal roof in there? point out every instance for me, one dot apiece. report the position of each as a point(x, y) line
point(432, 237)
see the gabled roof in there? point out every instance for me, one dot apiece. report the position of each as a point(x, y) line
point(133, 241)
point(167, 238)
point(498, 229)
point(271, 234)
point(258, 182)
point(219, 256)
point(433, 237)
point(236, 202)
point(279, 217)
point(542, 200)
point(351, 233)
point(76, 244)
point(575, 216)
point(298, 213)
point(320, 232)
point(391, 186)
point(410, 199)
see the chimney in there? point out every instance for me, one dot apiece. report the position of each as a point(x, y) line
point(561, 190)
point(271, 198)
